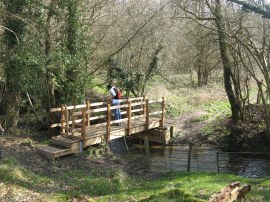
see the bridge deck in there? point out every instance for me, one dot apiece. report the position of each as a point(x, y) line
point(77, 132)
point(138, 125)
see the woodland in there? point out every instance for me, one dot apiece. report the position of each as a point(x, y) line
point(57, 52)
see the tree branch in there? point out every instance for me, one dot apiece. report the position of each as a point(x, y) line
point(131, 38)
point(255, 9)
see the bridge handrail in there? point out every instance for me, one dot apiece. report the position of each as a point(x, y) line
point(83, 117)
point(58, 109)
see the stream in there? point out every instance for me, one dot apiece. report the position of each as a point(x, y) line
point(206, 159)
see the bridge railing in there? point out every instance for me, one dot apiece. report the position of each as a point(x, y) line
point(84, 117)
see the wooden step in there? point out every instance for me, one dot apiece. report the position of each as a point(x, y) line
point(53, 152)
point(73, 143)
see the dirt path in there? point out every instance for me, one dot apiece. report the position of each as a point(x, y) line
point(187, 127)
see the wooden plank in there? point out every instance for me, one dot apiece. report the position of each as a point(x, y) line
point(108, 122)
point(59, 124)
point(129, 118)
point(75, 147)
point(79, 113)
point(137, 110)
point(136, 104)
point(147, 117)
point(134, 99)
point(99, 110)
point(144, 104)
point(98, 104)
point(78, 106)
point(137, 117)
point(118, 121)
point(84, 126)
point(98, 117)
point(94, 140)
point(92, 104)
point(155, 113)
point(67, 120)
point(99, 125)
point(95, 133)
point(119, 106)
point(79, 130)
point(68, 107)
point(155, 101)
point(163, 113)
point(65, 142)
point(62, 118)
point(53, 152)
point(119, 134)
point(154, 135)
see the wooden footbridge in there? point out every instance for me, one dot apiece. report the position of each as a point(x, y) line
point(93, 123)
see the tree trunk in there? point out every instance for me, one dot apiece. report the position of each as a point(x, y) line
point(235, 109)
point(50, 97)
point(12, 41)
point(266, 111)
point(72, 26)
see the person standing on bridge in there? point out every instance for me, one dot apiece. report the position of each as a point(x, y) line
point(115, 101)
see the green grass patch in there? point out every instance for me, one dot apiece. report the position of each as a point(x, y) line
point(110, 184)
point(217, 108)
point(218, 113)
point(201, 118)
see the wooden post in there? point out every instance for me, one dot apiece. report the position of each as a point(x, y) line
point(73, 123)
point(171, 132)
point(163, 113)
point(108, 127)
point(73, 119)
point(67, 120)
point(84, 126)
point(144, 104)
point(147, 114)
point(218, 162)
point(189, 157)
point(62, 119)
point(147, 151)
point(129, 118)
point(88, 114)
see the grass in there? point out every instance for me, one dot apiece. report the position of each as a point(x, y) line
point(110, 184)
point(185, 99)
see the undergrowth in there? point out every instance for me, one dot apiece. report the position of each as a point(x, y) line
point(110, 184)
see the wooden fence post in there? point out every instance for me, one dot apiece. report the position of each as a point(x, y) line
point(73, 118)
point(144, 104)
point(84, 126)
point(109, 101)
point(62, 119)
point(108, 128)
point(129, 118)
point(147, 151)
point(189, 157)
point(88, 114)
point(163, 113)
point(147, 114)
point(67, 120)
point(218, 162)
point(171, 132)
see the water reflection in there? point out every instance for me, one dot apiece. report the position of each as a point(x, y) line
point(168, 158)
